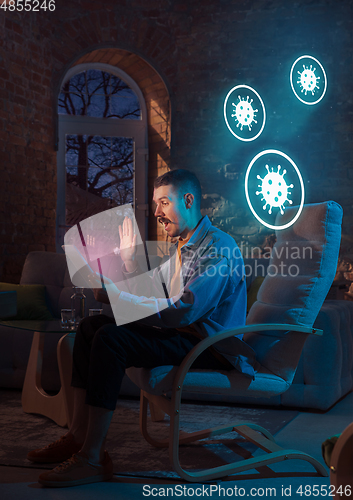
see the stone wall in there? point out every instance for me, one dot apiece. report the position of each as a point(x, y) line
point(200, 49)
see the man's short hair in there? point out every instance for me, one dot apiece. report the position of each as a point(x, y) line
point(181, 180)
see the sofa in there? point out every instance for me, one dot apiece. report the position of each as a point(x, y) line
point(324, 374)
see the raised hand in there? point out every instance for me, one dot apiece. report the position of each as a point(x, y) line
point(100, 294)
point(128, 244)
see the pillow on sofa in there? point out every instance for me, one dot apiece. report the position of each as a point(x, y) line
point(30, 301)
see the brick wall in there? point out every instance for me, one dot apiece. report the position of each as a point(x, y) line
point(197, 51)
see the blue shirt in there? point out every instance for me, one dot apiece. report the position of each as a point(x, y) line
point(212, 298)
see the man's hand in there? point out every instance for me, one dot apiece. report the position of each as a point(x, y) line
point(128, 244)
point(97, 280)
point(101, 295)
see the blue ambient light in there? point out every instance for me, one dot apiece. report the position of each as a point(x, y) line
point(281, 185)
point(244, 113)
point(308, 80)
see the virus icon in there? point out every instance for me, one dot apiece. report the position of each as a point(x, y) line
point(274, 189)
point(244, 113)
point(308, 81)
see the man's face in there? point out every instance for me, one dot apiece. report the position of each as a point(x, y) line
point(171, 210)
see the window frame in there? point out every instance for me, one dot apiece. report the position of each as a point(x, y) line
point(108, 127)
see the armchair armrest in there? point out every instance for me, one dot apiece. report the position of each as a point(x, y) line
point(208, 341)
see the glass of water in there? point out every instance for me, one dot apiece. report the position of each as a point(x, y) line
point(67, 319)
point(94, 312)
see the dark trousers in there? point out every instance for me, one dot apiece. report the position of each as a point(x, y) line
point(103, 350)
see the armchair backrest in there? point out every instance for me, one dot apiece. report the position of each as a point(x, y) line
point(301, 270)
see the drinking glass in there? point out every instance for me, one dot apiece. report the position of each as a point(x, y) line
point(94, 312)
point(67, 319)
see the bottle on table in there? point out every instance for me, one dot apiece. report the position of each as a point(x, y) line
point(78, 304)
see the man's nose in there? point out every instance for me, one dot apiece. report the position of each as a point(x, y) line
point(158, 212)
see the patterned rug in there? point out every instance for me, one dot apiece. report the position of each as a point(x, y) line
point(131, 454)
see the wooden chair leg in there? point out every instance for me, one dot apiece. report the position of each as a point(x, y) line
point(34, 398)
point(252, 432)
point(274, 453)
point(157, 415)
point(162, 443)
point(184, 437)
point(64, 352)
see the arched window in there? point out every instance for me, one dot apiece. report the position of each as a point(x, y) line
point(102, 154)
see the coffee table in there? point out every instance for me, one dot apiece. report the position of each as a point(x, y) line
point(34, 399)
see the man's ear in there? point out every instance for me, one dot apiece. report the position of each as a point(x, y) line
point(189, 200)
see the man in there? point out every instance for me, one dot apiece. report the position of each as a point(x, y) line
point(202, 292)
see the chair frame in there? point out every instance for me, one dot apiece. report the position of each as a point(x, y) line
point(159, 405)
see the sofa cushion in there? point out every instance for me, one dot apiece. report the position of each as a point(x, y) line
point(31, 304)
point(159, 380)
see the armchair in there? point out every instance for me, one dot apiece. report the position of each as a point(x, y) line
point(301, 271)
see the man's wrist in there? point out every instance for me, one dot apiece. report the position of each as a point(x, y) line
point(130, 266)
